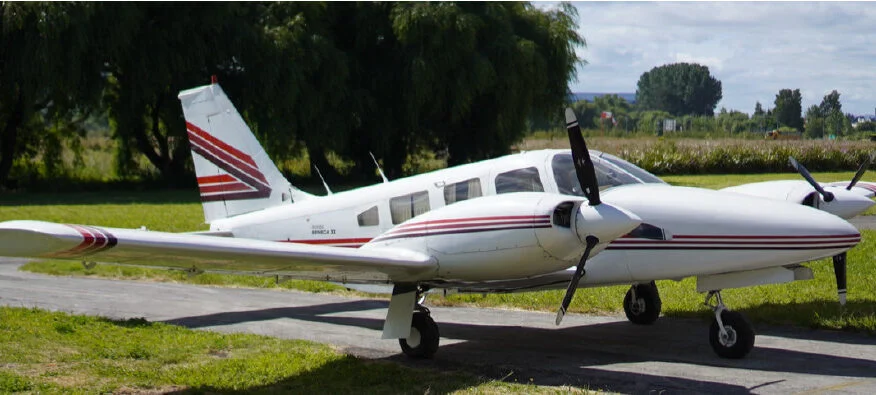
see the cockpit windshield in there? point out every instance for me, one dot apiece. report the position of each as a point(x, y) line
point(611, 171)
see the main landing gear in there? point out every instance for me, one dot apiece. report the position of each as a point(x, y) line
point(423, 340)
point(730, 335)
point(642, 304)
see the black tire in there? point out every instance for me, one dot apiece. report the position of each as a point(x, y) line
point(648, 310)
point(741, 336)
point(424, 337)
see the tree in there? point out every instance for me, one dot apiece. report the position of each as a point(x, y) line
point(789, 108)
point(50, 75)
point(170, 48)
point(814, 122)
point(758, 110)
point(680, 89)
point(830, 104)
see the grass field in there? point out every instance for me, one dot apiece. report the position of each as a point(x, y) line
point(44, 352)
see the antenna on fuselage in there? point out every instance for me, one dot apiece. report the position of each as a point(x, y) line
point(327, 190)
point(378, 167)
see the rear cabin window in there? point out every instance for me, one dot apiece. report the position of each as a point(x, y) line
point(369, 217)
point(405, 207)
point(521, 180)
point(460, 191)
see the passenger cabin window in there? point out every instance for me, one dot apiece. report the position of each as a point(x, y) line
point(369, 217)
point(460, 191)
point(405, 207)
point(521, 180)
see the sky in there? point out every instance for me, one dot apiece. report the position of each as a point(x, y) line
point(754, 49)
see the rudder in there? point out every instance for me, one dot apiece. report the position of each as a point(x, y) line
point(235, 174)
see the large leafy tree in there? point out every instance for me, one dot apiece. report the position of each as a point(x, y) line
point(171, 47)
point(679, 89)
point(50, 75)
point(788, 108)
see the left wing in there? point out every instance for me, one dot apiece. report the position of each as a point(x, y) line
point(63, 241)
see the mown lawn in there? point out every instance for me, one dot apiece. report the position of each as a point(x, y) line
point(50, 352)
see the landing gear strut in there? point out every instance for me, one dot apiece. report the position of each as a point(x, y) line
point(730, 335)
point(642, 304)
point(423, 340)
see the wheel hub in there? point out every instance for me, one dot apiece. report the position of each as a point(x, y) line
point(729, 339)
point(637, 306)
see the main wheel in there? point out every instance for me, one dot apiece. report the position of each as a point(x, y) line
point(646, 308)
point(739, 339)
point(423, 341)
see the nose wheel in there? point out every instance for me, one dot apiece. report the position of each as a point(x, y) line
point(730, 334)
point(642, 304)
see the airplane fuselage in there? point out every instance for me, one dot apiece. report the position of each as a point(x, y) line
point(685, 231)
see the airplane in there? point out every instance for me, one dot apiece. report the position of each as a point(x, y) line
point(511, 224)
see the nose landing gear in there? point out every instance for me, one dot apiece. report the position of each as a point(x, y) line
point(730, 334)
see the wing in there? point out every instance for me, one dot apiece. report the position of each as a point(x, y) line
point(130, 246)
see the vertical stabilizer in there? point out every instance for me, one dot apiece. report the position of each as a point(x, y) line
point(235, 174)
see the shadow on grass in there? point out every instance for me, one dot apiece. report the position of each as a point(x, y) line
point(574, 355)
point(352, 375)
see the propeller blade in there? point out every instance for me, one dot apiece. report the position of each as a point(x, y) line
point(828, 197)
point(860, 173)
point(579, 272)
point(839, 270)
point(581, 157)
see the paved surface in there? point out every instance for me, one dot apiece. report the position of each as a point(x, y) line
point(607, 353)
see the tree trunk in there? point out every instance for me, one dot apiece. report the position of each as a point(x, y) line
point(9, 140)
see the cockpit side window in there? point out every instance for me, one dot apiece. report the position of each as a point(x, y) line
point(632, 169)
point(564, 174)
point(607, 174)
point(520, 180)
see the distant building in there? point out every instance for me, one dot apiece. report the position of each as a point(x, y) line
point(589, 96)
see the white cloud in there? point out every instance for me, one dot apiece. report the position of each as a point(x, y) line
point(755, 49)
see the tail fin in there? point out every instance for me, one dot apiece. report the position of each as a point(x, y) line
point(235, 174)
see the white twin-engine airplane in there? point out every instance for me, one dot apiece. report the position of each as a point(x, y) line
point(510, 224)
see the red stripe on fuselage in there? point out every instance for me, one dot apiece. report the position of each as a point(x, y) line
point(448, 221)
point(492, 225)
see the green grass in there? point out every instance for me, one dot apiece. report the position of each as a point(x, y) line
point(50, 352)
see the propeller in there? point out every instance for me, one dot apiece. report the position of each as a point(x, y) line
point(827, 196)
point(839, 270)
point(581, 158)
point(579, 272)
point(860, 173)
point(587, 178)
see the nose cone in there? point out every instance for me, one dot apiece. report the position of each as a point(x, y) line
point(846, 204)
point(605, 221)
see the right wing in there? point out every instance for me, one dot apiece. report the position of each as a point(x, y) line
point(39, 239)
